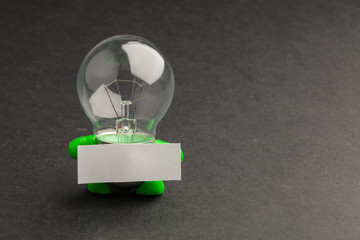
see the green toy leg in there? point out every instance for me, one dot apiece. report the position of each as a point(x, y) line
point(151, 188)
point(100, 188)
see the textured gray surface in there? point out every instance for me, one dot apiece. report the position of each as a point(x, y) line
point(266, 108)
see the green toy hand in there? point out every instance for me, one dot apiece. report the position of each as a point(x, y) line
point(85, 140)
point(163, 142)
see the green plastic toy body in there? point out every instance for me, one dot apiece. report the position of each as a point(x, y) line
point(151, 188)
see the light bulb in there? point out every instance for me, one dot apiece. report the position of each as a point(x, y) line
point(125, 85)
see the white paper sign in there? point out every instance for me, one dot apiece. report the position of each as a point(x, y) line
point(128, 162)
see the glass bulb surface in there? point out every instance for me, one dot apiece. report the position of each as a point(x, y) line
point(125, 85)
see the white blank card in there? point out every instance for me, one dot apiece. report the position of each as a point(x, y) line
point(128, 162)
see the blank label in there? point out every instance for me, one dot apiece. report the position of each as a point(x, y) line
point(128, 162)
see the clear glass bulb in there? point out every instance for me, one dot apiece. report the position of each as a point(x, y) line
point(125, 86)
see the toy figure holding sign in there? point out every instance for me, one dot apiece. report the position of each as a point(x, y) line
point(125, 86)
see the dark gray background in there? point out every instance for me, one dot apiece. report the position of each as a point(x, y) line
point(266, 107)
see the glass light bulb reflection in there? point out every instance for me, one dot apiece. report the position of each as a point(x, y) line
point(125, 86)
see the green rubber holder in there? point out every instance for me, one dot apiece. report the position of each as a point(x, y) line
point(151, 188)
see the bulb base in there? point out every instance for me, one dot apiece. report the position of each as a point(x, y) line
point(114, 137)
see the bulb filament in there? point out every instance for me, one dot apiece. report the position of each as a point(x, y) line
point(125, 126)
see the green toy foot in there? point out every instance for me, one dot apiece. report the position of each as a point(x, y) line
point(100, 188)
point(151, 188)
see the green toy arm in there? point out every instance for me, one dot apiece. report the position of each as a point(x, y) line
point(163, 142)
point(85, 140)
point(153, 188)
